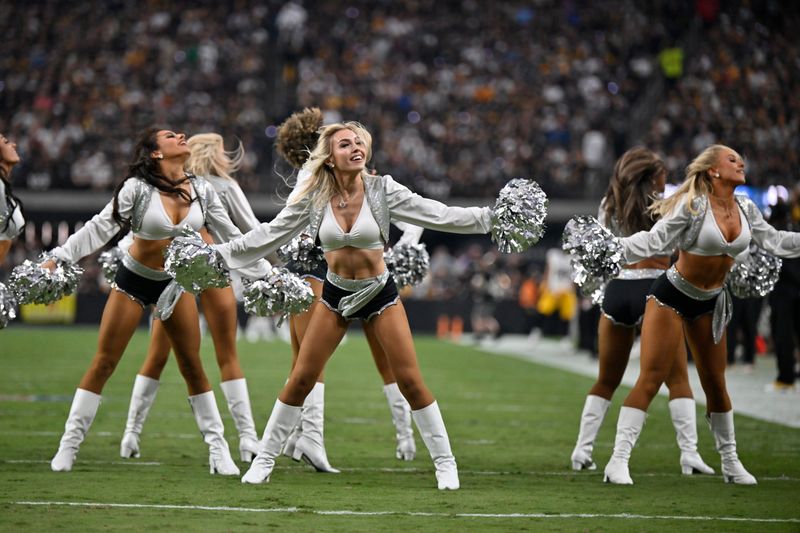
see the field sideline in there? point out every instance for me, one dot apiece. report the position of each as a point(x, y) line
point(512, 425)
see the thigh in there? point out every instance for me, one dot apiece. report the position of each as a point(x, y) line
point(120, 319)
point(183, 330)
point(678, 378)
point(614, 349)
point(324, 333)
point(157, 352)
point(378, 355)
point(662, 334)
point(710, 361)
point(301, 321)
point(392, 331)
point(219, 308)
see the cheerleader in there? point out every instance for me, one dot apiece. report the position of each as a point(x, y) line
point(208, 159)
point(306, 441)
point(350, 211)
point(12, 219)
point(711, 228)
point(155, 200)
point(638, 177)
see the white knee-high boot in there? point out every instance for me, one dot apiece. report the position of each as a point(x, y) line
point(236, 394)
point(310, 446)
point(629, 426)
point(725, 438)
point(142, 398)
point(434, 434)
point(594, 411)
point(81, 415)
point(210, 425)
point(684, 417)
point(281, 421)
point(401, 417)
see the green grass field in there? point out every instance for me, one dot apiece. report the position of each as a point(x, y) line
point(512, 426)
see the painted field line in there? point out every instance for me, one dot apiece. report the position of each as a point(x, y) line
point(347, 512)
point(127, 463)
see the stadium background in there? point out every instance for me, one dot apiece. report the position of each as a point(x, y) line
point(460, 95)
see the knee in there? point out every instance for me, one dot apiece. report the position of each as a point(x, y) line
point(104, 366)
point(192, 372)
point(411, 388)
point(648, 387)
point(606, 386)
point(298, 387)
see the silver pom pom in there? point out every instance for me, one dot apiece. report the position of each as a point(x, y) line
point(8, 306)
point(756, 276)
point(303, 252)
point(518, 216)
point(596, 252)
point(110, 260)
point(195, 265)
point(32, 283)
point(408, 263)
point(279, 292)
point(594, 289)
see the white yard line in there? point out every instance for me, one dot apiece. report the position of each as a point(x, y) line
point(347, 512)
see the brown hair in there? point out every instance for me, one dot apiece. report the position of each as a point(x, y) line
point(630, 190)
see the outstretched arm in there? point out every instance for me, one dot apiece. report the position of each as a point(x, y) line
point(266, 238)
point(406, 206)
point(100, 229)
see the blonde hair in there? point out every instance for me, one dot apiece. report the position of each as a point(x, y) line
point(697, 182)
point(209, 157)
point(322, 182)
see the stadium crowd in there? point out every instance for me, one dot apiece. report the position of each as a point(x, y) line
point(461, 97)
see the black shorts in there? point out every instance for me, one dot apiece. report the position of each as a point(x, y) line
point(331, 294)
point(318, 273)
point(142, 290)
point(668, 295)
point(624, 301)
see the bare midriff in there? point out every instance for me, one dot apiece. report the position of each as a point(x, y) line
point(149, 253)
point(356, 263)
point(702, 271)
point(660, 262)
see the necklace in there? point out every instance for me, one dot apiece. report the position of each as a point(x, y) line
point(343, 200)
point(726, 211)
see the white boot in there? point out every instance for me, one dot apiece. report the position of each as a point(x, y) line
point(434, 435)
point(684, 418)
point(629, 426)
point(235, 391)
point(732, 469)
point(283, 418)
point(142, 398)
point(594, 411)
point(401, 416)
point(291, 440)
point(209, 422)
point(81, 415)
point(310, 446)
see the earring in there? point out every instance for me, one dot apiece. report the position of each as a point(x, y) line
point(160, 156)
point(330, 165)
point(716, 175)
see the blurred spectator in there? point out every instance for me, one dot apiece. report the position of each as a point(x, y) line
point(785, 303)
point(742, 331)
point(557, 299)
point(467, 95)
